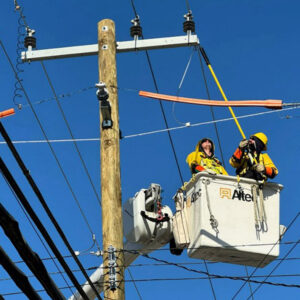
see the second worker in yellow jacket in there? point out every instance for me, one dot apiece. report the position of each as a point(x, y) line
point(263, 168)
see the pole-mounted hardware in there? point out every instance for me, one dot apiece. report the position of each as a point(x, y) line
point(105, 108)
point(112, 268)
point(189, 24)
point(30, 40)
point(136, 30)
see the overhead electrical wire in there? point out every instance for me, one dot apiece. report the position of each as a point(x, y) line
point(39, 237)
point(286, 255)
point(49, 144)
point(179, 88)
point(150, 132)
point(20, 279)
point(12, 231)
point(45, 206)
point(177, 279)
point(134, 283)
point(167, 127)
point(217, 276)
point(211, 108)
point(71, 133)
point(43, 230)
point(72, 136)
point(253, 272)
point(160, 103)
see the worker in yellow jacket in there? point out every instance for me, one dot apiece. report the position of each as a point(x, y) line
point(203, 159)
point(263, 168)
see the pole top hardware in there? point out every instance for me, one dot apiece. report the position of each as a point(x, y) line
point(188, 24)
point(136, 30)
point(30, 40)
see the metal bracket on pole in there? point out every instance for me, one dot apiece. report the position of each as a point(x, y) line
point(126, 46)
point(112, 268)
point(105, 107)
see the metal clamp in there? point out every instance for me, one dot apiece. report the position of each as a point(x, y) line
point(105, 108)
point(112, 264)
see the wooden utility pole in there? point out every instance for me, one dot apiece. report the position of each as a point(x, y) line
point(112, 225)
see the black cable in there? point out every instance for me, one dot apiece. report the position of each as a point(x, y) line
point(165, 118)
point(187, 5)
point(174, 279)
point(210, 280)
point(11, 229)
point(133, 7)
point(241, 287)
point(70, 132)
point(211, 108)
point(48, 142)
point(250, 287)
point(39, 237)
point(133, 281)
point(40, 226)
point(209, 274)
point(17, 276)
point(43, 202)
point(259, 286)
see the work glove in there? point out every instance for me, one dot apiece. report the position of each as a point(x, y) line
point(259, 168)
point(243, 144)
point(197, 168)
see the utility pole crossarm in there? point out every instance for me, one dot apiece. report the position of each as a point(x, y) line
point(126, 46)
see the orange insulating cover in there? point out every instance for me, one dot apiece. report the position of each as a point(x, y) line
point(270, 103)
point(7, 113)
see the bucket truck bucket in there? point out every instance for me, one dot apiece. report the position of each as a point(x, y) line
point(231, 221)
point(145, 220)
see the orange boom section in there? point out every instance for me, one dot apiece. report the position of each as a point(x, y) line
point(7, 113)
point(269, 103)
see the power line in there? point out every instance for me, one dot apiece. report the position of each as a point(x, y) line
point(242, 286)
point(45, 206)
point(39, 237)
point(71, 134)
point(286, 255)
point(12, 231)
point(210, 274)
point(135, 286)
point(39, 225)
point(147, 132)
point(49, 144)
point(211, 108)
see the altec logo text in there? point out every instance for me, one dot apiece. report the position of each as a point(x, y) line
point(237, 194)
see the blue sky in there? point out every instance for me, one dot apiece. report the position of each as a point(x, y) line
point(254, 49)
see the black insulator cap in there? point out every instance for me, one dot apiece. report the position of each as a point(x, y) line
point(136, 30)
point(30, 41)
point(189, 26)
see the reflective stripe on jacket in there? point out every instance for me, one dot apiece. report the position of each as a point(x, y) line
point(240, 161)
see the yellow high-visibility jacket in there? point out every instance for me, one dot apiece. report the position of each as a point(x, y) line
point(240, 161)
point(199, 158)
